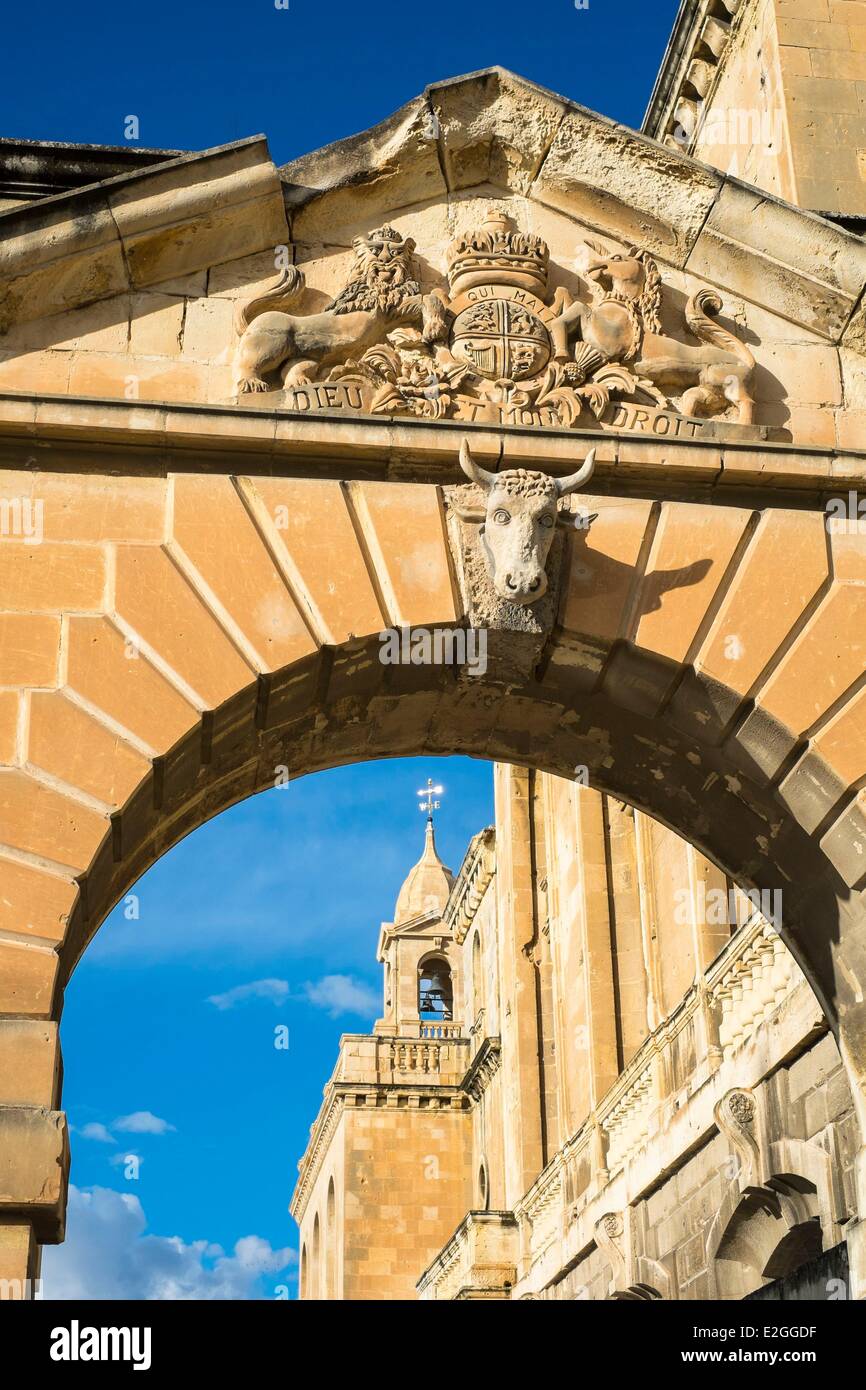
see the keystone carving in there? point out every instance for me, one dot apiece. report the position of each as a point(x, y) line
point(516, 523)
point(497, 345)
point(506, 536)
point(736, 1116)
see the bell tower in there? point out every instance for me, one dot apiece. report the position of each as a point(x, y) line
point(418, 953)
point(388, 1174)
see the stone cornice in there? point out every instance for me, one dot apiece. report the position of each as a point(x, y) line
point(483, 1067)
point(42, 168)
point(133, 437)
point(137, 229)
point(620, 182)
point(476, 872)
point(693, 59)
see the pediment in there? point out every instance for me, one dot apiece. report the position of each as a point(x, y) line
point(422, 928)
point(139, 278)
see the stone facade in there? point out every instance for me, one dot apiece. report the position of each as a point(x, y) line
point(197, 575)
point(773, 92)
point(640, 1093)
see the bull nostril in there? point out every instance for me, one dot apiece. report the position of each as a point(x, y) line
point(509, 581)
point(534, 585)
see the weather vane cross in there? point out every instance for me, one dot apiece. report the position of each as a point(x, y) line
point(429, 793)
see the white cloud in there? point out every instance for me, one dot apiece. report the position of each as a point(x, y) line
point(107, 1254)
point(277, 991)
point(142, 1122)
point(97, 1132)
point(341, 994)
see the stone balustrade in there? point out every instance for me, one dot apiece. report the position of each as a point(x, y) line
point(663, 1100)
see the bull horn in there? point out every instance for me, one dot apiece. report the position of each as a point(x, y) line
point(571, 484)
point(473, 470)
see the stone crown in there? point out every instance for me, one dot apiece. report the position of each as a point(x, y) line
point(497, 251)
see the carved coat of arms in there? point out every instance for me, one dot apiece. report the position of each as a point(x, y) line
point(497, 345)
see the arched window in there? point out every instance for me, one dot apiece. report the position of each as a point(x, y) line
point(305, 1272)
point(435, 990)
point(330, 1250)
point(483, 1189)
point(315, 1262)
point(477, 981)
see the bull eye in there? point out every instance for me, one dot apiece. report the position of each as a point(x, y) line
point(502, 516)
point(547, 520)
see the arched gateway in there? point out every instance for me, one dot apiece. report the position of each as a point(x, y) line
point(237, 542)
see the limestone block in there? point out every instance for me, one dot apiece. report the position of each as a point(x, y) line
point(92, 508)
point(494, 129)
point(208, 335)
point(137, 378)
point(213, 532)
point(70, 744)
point(34, 1167)
point(139, 229)
point(242, 278)
point(19, 1259)
point(827, 657)
point(48, 577)
point(112, 674)
point(101, 327)
point(810, 375)
point(404, 533)
point(228, 200)
point(155, 325)
point(35, 371)
point(307, 523)
point(691, 551)
point(757, 613)
point(29, 1062)
point(842, 741)
point(360, 180)
point(163, 609)
point(8, 725)
point(33, 902)
point(58, 255)
point(27, 978)
point(626, 186)
point(601, 566)
point(845, 842)
point(807, 33)
point(766, 251)
point(39, 820)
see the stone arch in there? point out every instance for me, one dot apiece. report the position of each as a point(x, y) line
point(774, 1217)
point(316, 1259)
point(330, 1243)
point(435, 968)
point(477, 978)
point(190, 653)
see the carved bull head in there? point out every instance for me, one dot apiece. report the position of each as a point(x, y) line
point(517, 523)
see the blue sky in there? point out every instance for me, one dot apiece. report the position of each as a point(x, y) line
point(266, 917)
point(198, 75)
point(273, 909)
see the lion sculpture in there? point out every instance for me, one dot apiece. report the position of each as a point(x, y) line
point(380, 296)
point(624, 326)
